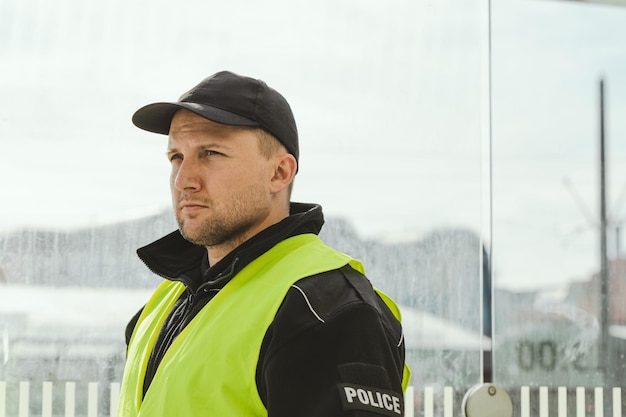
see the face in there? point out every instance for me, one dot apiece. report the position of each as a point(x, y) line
point(220, 182)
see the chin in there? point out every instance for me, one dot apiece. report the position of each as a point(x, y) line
point(188, 231)
point(191, 237)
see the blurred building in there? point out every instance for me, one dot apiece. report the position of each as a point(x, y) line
point(586, 294)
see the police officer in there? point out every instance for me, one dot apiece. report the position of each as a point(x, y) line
point(255, 316)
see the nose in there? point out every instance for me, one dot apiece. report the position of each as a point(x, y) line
point(185, 176)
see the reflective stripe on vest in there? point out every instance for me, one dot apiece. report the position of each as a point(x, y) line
point(202, 374)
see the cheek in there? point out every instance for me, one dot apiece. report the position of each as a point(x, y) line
point(173, 175)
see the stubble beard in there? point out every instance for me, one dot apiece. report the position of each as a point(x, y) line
point(229, 226)
point(214, 232)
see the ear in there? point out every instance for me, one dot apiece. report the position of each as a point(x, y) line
point(284, 171)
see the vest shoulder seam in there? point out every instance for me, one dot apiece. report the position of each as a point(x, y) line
point(308, 303)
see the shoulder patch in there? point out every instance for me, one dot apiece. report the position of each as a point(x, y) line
point(374, 400)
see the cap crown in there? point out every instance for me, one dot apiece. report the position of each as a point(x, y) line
point(228, 98)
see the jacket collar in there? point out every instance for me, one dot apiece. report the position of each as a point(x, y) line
point(174, 258)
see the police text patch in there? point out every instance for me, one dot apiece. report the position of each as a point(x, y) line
point(375, 400)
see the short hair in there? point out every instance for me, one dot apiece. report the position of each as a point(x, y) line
point(270, 146)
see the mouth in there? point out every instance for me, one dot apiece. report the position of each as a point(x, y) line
point(189, 207)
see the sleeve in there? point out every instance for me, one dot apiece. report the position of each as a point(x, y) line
point(331, 354)
point(130, 327)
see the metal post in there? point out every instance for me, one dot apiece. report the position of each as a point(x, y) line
point(603, 360)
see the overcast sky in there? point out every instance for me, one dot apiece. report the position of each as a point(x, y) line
point(390, 99)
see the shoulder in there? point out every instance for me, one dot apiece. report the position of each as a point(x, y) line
point(331, 329)
point(328, 296)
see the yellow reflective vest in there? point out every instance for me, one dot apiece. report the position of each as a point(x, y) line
point(202, 374)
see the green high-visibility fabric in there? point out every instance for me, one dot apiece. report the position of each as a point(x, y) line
point(210, 367)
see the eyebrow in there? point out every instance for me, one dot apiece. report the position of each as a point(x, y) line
point(206, 145)
point(201, 127)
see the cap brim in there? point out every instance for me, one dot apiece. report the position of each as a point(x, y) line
point(157, 117)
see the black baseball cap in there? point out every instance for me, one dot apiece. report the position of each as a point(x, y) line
point(231, 99)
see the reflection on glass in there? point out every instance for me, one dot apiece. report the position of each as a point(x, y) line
point(388, 103)
point(546, 197)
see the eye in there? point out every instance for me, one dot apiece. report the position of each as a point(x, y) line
point(209, 152)
point(175, 156)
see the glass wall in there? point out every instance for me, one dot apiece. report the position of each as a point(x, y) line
point(554, 65)
point(390, 99)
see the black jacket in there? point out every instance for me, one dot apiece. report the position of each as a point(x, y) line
point(331, 337)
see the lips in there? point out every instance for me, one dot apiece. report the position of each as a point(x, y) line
point(189, 206)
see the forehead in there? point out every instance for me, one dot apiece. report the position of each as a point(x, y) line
point(187, 126)
point(186, 121)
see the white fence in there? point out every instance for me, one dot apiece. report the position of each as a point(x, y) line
point(432, 402)
point(69, 404)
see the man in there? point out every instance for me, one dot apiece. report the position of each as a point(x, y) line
point(256, 316)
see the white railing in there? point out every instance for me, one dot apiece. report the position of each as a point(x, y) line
point(581, 406)
point(23, 399)
point(432, 402)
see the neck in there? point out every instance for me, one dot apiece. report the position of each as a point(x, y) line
point(218, 252)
